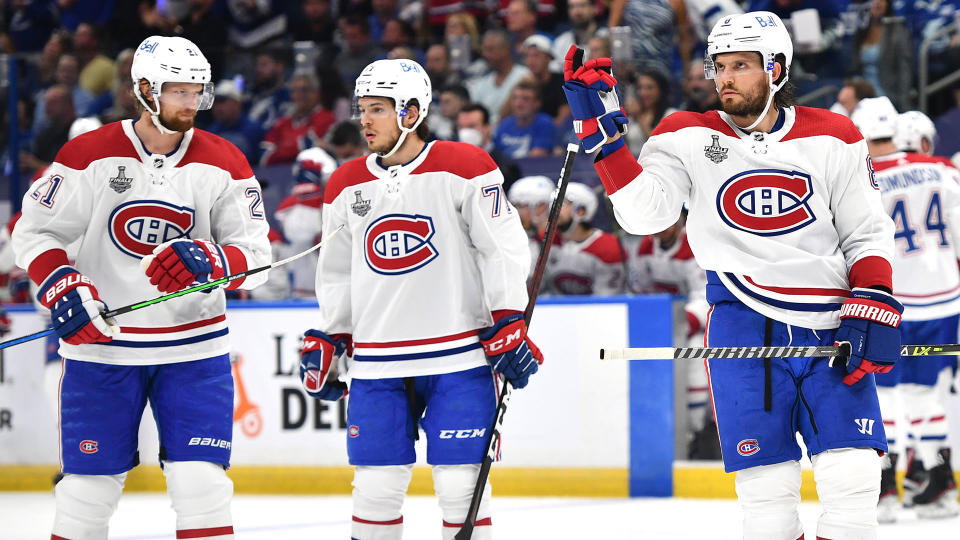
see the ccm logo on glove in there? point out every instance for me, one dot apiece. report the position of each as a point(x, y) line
point(504, 342)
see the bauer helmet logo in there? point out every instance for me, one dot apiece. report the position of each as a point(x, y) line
point(88, 446)
point(748, 447)
point(399, 243)
point(766, 202)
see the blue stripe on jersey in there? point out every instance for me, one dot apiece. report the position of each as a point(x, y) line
point(951, 299)
point(417, 356)
point(795, 306)
point(167, 343)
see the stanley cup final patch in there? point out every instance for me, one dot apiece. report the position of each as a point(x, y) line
point(360, 206)
point(714, 151)
point(120, 182)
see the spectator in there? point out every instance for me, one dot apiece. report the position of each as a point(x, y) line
point(473, 126)
point(854, 89)
point(304, 127)
point(359, 49)
point(45, 74)
point(452, 100)
point(589, 261)
point(334, 96)
point(652, 32)
point(96, 75)
point(271, 97)
point(206, 29)
point(399, 33)
point(493, 89)
point(257, 23)
point(583, 22)
point(118, 84)
point(699, 93)
point(527, 132)
point(68, 73)
point(58, 104)
point(463, 41)
point(229, 121)
point(315, 23)
point(649, 104)
point(24, 133)
point(74, 12)
point(29, 25)
point(383, 12)
point(538, 55)
point(820, 57)
point(346, 142)
point(599, 47)
point(438, 67)
point(441, 12)
point(883, 54)
point(402, 52)
point(521, 23)
point(543, 10)
point(703, 15)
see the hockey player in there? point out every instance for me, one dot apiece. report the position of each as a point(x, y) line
point(157, 206)
point(531, 197)
point(664, 263)
point(788, 222)
point(424, 290)
point(922, 197)
point(589, 260)
point(299, 216)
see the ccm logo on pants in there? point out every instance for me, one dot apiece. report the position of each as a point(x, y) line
point(462, 433)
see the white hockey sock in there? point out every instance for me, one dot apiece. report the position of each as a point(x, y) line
point(454, 485)
point(378, 493)
point(848, 484)
point(200, 493)
point(85, 504)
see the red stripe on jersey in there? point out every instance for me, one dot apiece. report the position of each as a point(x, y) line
point(617, 170)
point(412, 342)
point(812, 122)
point(168, 329)
point(457, 158)
point(107, 142)
point(799, 290)
point(397, 521)
point(899, 160)
point(684, 253)
point(349, 174)
point(871, 271)
point(236, 262)
point(685, 119)
point(311, 200)
point(204, 533)
point(210, 149)
point(607, 248)
point(46, 263)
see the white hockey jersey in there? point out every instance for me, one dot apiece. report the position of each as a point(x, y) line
point(105, 190)
point(300, 217)
point(922, 196)
point(430, 249)
point(594, 266)
point(787, 220)
point(673, 270)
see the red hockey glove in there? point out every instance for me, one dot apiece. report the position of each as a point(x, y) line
point(318, 358)
point(177, 264)
point(870, 326)
point(510, 351)
point(75, 307)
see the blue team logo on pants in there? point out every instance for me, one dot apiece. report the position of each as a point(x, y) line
point(766, 202)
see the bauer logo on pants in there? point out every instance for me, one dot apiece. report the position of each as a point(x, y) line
point(766, 202)
point(748, 447)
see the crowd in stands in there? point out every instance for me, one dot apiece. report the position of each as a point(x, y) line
point(284, 69)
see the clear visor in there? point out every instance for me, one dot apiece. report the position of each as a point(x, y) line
point(196, 96)
point(375, 109)
point(729, 66)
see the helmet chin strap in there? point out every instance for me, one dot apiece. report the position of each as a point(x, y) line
point(766, 107)
point(163, 129)
point(403, 135)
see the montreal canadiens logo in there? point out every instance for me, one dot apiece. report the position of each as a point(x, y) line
point(88, 447)
point(139, 226)
point(748, 447)
point(399, 243)
point(766, 202)
point(353, 431)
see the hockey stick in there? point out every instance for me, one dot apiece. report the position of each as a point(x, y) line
point(210, 284)
point(466, 531)
point(666, 353)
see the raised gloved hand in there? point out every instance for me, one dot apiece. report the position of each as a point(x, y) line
point(510, 351)
point(75, 307)
point(177, 264)
point(870, 325)
point(318, 359)
point(592, 94)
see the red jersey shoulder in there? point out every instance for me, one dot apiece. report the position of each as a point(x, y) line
point(458, 158)
point(646, 246)
point(684, 253)
point(349, 174)
point(813, 122)
point(104, 142)
point(210, 149)
point(685, 119)
point(607, 248)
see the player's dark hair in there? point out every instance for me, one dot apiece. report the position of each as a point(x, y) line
point(345, 132)
point(423, 130)
point(862, 88)
point(786, 96)
point(473, 107)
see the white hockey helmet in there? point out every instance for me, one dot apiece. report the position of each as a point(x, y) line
point(402, 81)
point(83, 125)
point(531, 191)
point(161, 59)
point(314, 165)
point(758, 31)
point(876, 118)
point(582, 196)
point(912, 128)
